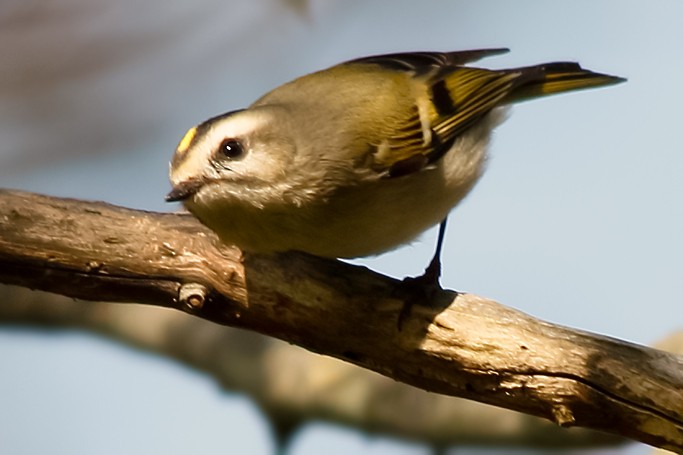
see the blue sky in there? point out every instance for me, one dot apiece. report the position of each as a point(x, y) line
point(577, 220)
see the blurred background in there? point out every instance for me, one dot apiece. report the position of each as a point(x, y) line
point(577, 221)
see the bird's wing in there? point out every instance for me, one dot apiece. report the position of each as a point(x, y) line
point(452, 97)
point(422, 61)
point(449, 99)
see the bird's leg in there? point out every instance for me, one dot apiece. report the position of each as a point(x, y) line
point(432, 273)
point(423, 288)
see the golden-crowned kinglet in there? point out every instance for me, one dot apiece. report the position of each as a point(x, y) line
point(356, 159)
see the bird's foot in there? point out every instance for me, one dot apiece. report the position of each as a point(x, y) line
point(419, 290)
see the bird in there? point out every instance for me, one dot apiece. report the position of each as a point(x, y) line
point(359, 158)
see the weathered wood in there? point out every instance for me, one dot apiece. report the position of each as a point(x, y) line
point(294, 387)
point(460, 345)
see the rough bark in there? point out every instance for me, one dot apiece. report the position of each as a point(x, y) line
point(459, 344)
point(293, 386)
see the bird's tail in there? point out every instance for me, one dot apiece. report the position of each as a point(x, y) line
point(462, 95)
point(559, 77)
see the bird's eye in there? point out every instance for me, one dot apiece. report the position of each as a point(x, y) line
point(230, 149)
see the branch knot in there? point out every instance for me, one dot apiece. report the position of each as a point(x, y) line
point(192, 295)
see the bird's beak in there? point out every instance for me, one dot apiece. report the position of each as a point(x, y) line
point(184, 190)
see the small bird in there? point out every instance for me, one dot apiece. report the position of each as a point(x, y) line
point(357, 159)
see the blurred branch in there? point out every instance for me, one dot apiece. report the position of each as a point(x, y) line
point(460, 345)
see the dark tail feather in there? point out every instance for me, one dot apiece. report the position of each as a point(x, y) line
point(559, 77)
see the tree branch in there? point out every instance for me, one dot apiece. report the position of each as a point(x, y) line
point(293, 386)
point(460, 345)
